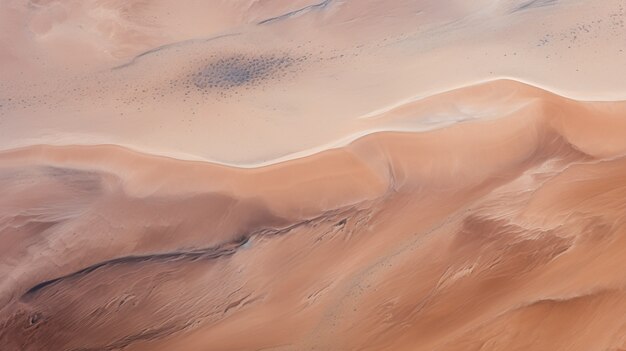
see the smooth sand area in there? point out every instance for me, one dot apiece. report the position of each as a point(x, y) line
point(312, 175)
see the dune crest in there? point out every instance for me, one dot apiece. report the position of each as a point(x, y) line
point(295, 175)
point(438, 240)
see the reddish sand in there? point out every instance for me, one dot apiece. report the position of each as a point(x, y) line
point(496, 234)
point(312, 175)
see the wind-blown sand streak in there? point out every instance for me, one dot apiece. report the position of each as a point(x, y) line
point(312, 175)
point(395, 241)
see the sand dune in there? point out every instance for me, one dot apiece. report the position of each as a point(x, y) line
point(312, 175)
point(454, 239)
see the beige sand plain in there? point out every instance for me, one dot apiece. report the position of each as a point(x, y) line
point(301, 175)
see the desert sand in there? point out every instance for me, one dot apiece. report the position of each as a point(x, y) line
point(312, 175)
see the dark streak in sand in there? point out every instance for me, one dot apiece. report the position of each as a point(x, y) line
point(534, 4)
point(223, 250)
point(172, 45)
point(284, 16)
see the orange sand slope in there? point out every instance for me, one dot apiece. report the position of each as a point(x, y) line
point(504, 232)
point(312, 175)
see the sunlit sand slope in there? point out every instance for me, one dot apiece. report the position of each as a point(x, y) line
point(504, 232)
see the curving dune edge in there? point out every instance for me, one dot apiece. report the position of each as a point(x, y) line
point(456, 237)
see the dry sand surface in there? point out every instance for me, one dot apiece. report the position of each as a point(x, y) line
point(312, 175)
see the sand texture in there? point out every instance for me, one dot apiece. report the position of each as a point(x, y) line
point(312, 175)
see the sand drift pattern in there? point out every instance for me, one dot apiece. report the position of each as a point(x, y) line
point(312, 175)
